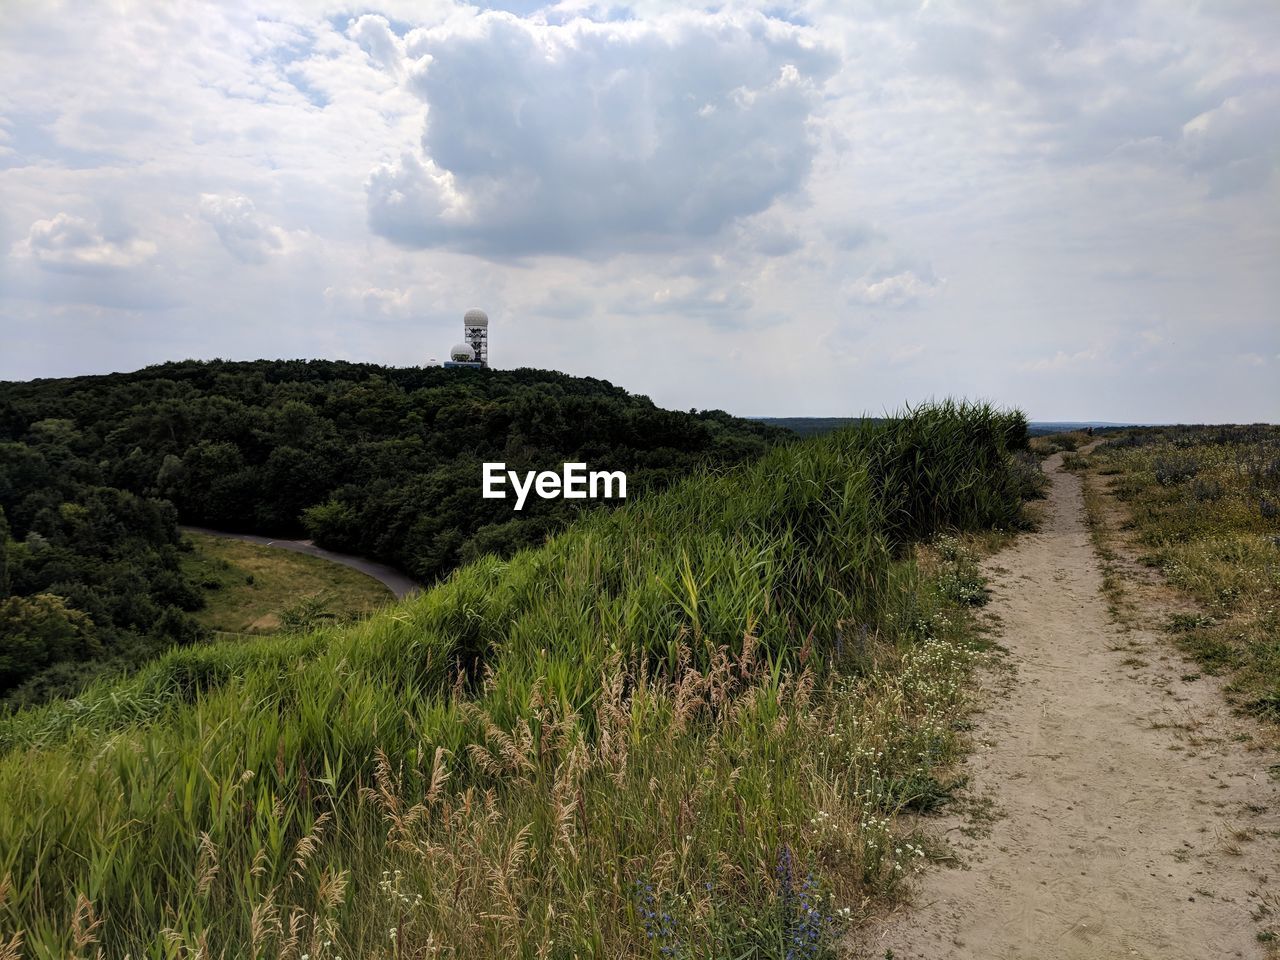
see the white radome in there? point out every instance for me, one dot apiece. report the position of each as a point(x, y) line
point(462, 352)
point(475, 318)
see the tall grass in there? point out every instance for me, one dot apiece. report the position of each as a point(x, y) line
point(679, 728)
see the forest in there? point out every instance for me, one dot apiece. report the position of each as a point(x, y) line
point(96, 474)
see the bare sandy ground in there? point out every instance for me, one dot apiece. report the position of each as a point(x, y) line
point(1116, 808)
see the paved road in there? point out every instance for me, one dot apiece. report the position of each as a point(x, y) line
point(396, 581)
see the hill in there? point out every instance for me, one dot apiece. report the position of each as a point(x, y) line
point(681, 728)
point(96, 473)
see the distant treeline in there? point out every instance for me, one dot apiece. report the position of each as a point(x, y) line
point(812, 426)
point(1044, 428)
point(95, 473)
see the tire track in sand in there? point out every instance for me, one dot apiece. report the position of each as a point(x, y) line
point(1131, 822)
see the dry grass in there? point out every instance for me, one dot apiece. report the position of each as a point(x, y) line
point(1198, 505)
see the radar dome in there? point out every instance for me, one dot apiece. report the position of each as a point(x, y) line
point(475, 318)
point(462, 353)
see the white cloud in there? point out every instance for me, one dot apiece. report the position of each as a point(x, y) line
point(608, 182)
point(906, 354)
point(245, 234)
point(588, 138)
point(374, 35)
point(893, 290)
point(70, 243)
point(371, 300)
point(1062, 360)
point(1237, 142)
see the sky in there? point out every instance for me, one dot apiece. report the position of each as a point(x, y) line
point(800, 208)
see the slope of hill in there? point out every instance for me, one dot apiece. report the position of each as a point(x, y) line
point(95, 472)
point(679, 728)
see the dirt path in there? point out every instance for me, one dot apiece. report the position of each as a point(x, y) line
point(1130, 819)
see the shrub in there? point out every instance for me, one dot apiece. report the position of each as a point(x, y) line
point(1030, 479)
point(1171, 470)
point(1206, 490)
point(1074, 461)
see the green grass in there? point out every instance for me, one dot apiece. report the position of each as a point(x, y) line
point(1074, 461)
point(247, 587)
point(1202, 507)
point(688, 723)
point(1051, 443)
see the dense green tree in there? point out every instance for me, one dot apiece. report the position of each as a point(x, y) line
point(87, 571)
point(95, 473)
point(4, 556)
point(38, 631)
point(373, 460)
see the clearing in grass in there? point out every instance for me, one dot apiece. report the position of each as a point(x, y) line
point(248, 588)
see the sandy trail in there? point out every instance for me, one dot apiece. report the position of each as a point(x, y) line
point(1131, 820)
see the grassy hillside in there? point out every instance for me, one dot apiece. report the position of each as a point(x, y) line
point(682, 728)
point(247, 588)
point(811, 426)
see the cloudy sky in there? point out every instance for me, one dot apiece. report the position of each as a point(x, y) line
point(803, 208)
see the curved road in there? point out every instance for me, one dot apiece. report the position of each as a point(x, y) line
point(396, 581)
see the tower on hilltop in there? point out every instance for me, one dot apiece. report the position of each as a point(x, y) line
point(475, 326)
point(473, 351)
